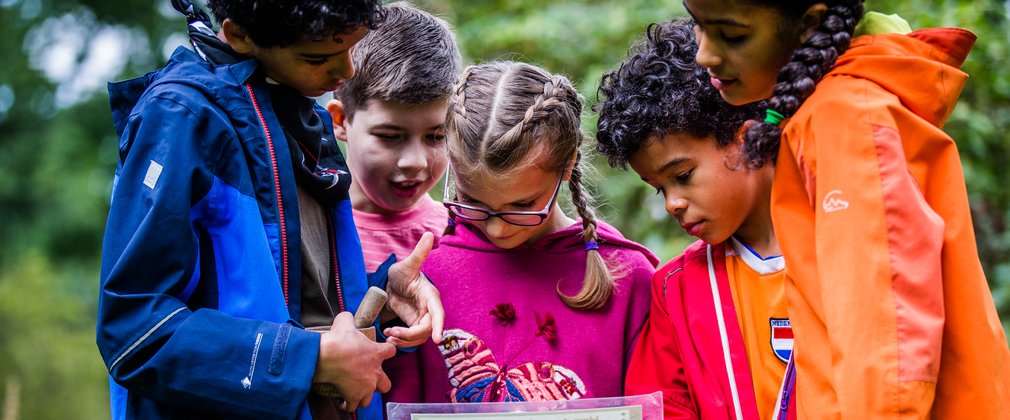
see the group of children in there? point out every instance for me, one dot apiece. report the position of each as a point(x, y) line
point(835, 273)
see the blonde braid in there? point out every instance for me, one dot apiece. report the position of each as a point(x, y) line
point(458, 100)
point(583, 203)
point(457, 104)
point(550, 100)
point(598, 283)
point(547, 102)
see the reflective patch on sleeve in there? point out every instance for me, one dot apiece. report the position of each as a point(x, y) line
point(153, 173)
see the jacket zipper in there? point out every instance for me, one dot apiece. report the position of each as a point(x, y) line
point(277, 191)
point(723, 335)
point(334, 264)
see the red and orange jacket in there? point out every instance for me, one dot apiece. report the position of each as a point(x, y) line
point(692, 345)
point(889, 305)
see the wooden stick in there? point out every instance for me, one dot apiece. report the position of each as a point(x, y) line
point(373, 302)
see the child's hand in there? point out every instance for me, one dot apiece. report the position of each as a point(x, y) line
point(414, 299)
point(352, 363)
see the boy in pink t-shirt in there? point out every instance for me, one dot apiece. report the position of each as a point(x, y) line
point(397, 233)
point(391, 115)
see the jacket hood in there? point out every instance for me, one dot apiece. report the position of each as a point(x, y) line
point(920, 68)
point(184, 67)
point(565, 240)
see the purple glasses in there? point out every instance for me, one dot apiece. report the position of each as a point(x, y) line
point(518, 218)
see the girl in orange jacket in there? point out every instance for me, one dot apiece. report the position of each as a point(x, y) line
point(890, 308)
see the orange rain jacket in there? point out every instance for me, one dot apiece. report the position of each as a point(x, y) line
point(890, 309)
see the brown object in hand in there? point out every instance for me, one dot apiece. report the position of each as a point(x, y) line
point(373, 302)
point(371, 305)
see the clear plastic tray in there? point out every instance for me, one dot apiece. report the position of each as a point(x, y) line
point(632, 407)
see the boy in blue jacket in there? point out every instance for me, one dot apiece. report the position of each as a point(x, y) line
point(230, 222)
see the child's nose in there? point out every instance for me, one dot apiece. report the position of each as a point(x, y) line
point(495, 227)
point(707, 56)
point(675, 204)
point(343, 67)
point(413, 157)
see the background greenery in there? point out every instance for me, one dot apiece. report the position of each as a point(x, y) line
point(58, 151)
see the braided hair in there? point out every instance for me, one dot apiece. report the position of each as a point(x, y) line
point(798, 78)
point(505, 116)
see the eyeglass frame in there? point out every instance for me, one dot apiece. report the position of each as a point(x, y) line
point(543, 214)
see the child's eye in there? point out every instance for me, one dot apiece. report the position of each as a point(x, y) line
point(387, 136)
point(660, 190)
point(733, 39)
point(436, 138)
point(685, 177)
point(463, 199)
point(316, 62)
point(523, 205)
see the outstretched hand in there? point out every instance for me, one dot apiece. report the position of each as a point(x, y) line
point(414, 299)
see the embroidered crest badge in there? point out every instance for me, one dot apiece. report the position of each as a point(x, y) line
point(782, 338)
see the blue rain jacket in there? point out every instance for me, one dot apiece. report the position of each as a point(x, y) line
point(201, 266)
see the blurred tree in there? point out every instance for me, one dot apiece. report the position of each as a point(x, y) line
point(58, 150)
point(57, 155)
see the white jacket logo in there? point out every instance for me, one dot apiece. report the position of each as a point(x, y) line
point(832, 202)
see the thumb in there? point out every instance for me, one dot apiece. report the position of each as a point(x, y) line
point(421, 250)
point(385, 350)
point(343, 321)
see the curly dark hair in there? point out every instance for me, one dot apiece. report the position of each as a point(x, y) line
point(660, 90)
point(808, 64)
point(281, 23)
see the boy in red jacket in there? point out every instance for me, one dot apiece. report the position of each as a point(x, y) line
point(718, 340)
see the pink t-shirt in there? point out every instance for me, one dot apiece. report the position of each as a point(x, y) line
point(384, 234)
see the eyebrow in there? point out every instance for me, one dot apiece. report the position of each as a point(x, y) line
point(672, 164)
point(321, 55)
point(516, 203)
point(391, 126)
point(317, 56)
point(721, 21)
point(387, 126)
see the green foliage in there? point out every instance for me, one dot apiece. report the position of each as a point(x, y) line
point(47, 339)
point(57, 155)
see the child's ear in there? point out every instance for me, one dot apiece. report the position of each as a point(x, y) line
point(738, 139)
point(336, 110)
point(571, 166)
point(734, 158)
point(811, 20)
point(237, 38)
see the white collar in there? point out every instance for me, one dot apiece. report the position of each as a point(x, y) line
point(763, 265)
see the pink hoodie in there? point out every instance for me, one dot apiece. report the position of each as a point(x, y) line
point(509, 336)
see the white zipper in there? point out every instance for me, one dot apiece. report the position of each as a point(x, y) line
point(723, 335)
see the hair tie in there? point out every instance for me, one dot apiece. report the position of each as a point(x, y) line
point(773, 117)
point(592, 245)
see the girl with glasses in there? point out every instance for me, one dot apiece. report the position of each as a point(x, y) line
point(539, 305)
